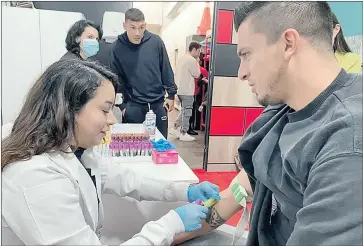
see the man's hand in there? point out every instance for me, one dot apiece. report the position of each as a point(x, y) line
point(171, 105)
point(203, 192)
point(123, 111)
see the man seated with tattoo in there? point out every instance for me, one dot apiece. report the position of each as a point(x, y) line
point(303, 155)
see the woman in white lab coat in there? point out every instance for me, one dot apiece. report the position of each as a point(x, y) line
point(49, 197)
point(82, 41)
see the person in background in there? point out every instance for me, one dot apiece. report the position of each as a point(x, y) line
point(302, 157)
point(82, 43)
point(348, 60)
point(202, 79)
point(82, 40)
point(140, 60)
point(187, 71)
point(50, 197)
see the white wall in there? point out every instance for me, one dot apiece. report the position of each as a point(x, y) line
point(112, 25)
point(21, 57)
point(31, 40)
point(174, 32)
point(153, 11)
point(185, 24)
point(53, 42)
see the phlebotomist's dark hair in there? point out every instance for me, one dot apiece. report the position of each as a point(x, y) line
point(47, 119)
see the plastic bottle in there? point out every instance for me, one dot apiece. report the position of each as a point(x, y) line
point(150, 124)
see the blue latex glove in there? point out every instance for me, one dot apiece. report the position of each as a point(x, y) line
point(192, 215)
point(203, 192)
point(162, 145)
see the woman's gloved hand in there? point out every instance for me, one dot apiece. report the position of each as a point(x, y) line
point(203, 192)
point(192, 216)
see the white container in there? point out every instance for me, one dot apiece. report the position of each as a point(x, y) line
point(150, 124)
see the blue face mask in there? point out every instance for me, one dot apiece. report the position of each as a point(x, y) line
point(90, 47)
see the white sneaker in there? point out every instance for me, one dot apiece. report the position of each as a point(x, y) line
point(175, 132)
point(186, 137)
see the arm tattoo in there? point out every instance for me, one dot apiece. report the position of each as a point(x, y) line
point(213, 219)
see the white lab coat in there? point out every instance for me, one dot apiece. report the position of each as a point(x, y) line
point(51, 200)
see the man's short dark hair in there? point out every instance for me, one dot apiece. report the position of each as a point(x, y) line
point(310, 19)
point(134, 14)
point(194, 45)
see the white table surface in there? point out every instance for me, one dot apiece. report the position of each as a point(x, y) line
point(124, 217)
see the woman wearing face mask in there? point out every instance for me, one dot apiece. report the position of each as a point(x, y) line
point(50, 197)
point(82, 40)
point(348, 60)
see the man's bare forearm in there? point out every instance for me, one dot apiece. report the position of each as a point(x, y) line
point(214, 219)
point(217, 216)
point(220, 213)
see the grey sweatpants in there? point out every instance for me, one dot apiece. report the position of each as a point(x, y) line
point(185, 113)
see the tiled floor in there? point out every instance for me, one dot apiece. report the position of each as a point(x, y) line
point(191, 152)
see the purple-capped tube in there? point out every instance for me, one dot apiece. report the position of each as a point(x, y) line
point(124, 149)
point(150, 148)
point(114, 149)
point(138, 149)
point(127, 149)
point(134, 145)
point(119, 149)
point(132, 149)
point(143, 148)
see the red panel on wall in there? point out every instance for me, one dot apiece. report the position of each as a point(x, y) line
point(224, 27)
point(251, 115)
point(226, 121)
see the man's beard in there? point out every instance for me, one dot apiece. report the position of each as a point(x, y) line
point(273, 89)
point(269, 101)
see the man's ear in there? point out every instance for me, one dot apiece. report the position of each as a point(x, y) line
point(291, 39)
point(124, 25)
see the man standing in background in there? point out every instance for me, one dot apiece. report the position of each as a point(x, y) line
point(140, 60)
point(187, 70)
